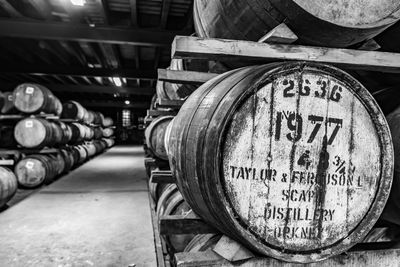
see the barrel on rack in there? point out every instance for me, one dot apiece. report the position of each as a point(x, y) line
point(66, 132)
point(156, 190)
point(184, 90)
point(78, 133)
point(74, 111)
point(8, 185)
point(7, 103)
point(171, 202)
point(68, 158)
point(34, 170)
point(108, 132)
point(34, 98)
point(277, 157)
point(202, 242)
point(392, 209)
point(97, 133)
point(36, 133)
point(109, 142)
point(83, 154)
point(328, 23)
point(155, 136)
point(91, 149)
point(108, 122)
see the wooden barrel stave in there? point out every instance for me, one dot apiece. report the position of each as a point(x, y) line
point(171, 203)
point(8, 185)
point(310, 20)
point(155, 136)
point(197, 149)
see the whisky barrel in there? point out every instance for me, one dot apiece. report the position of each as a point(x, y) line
point(202, 242)
point(108, 132)
point(156, 190)
point(34, 170)
point(78, 133)
point(68, 159)
point(7, 103)
point(171, 202)
point(34, 98)
point(74, 111)
point(294, 160)
point(184, 90)
point(167, 135)
point(36, 133)
point(89, 117)
point(83, 154)
point(392, 209)
point(165, 91)
point(108, 122)
point(100, 118)
point(155, 136)
point(109, 142)
point(97, 133)
point(8, 185)
point(333, 23)
point(91, 150)
point(66, 132)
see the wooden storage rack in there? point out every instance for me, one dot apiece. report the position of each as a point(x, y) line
point(274, 46)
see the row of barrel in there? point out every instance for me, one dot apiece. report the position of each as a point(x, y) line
point(39, 132)
point(293, 160)
point(29, 98)
point(34, 170)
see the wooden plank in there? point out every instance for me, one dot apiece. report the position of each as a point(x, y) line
point(179, 224)
point(85, 33)
point(165, 103)
point(6, 162)
point(162, 177)
point(156, 113)
point(157, 238)
point(164, 13)
point(281, 34)
point(232, 250)
point(184, 77)
point(233, 50)
point(388, 258)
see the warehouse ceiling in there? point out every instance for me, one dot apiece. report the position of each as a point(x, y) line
point(99, 52)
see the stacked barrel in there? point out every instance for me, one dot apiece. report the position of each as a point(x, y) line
point(52, 137)
point(292, 160)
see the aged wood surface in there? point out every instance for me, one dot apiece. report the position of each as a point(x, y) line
point(173, 104)
point(331, 23)
point(157, 113)
point(184, 77)
point(281, 34)
point(160, 177)
point(232, 50)
point(373, 258)
point(293, 160)
point(298, 166)
point(231, 250)
point(181, 224)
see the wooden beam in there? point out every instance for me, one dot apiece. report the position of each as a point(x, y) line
point(179, 225)
point(164, 13)
point(157, 113)
point(162, 177)
point(166, 103)
point(232, 50)
point(134, 15)
point(88, 88)
point(64, 31)
point(114, 104)
point(184, 77)
point(388, 257)
point(79, 71)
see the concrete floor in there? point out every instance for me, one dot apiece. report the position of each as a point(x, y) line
point(97, 215)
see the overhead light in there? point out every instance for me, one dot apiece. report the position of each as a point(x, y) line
point(117, 81)
point(127, 102)
point(78, 2)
